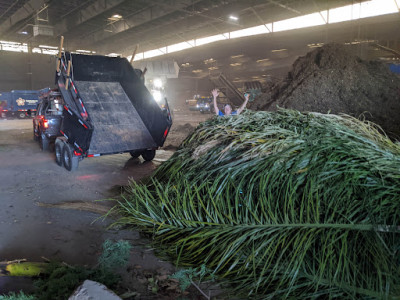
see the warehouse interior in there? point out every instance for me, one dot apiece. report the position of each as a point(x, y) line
point(328, 57)
point(118, 27)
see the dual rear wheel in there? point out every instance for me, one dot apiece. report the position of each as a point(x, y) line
point(65, 156)
point(147, 155)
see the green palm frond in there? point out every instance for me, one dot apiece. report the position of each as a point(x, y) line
point(280, 205)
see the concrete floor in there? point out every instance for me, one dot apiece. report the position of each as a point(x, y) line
point(29, 176)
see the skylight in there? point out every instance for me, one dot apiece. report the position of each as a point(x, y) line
point(179, 46)
point(310, 20)
point(249, 31)
point(153, 53)
point(351, 12)
point(210, 39)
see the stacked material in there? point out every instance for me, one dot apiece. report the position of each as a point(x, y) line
point(279, 205)
point(333, 79)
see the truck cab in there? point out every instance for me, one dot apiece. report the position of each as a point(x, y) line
point(47, 122)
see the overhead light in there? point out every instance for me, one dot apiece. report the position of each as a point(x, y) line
point(237, 56)
point(83, 51)
point(360, 42)
point(115, 17)
point(213, 68)
point(235, 64)
point(113, 54)
point(23, 32)
point(279, 50)
point(197, 71)
point(263, 60)
point(233, 18)
point(315, 45)
point(209, 61)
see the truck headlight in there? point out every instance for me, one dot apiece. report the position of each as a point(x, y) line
point(157, 95)
point(158, 83)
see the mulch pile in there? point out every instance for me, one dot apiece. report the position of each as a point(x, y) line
point(177, 134)
point(332, 79)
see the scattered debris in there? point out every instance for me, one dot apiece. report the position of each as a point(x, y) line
point(21, 267)
point(77, 205)
point(93, 290)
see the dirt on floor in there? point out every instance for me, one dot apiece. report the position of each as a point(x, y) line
point(177, 134)
point(48, 212)
point(332, 79)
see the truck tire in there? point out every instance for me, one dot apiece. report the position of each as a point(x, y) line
point(58, 150)
point(148, 155)
point(70, 161)
point(44, 142)
point(135, 153)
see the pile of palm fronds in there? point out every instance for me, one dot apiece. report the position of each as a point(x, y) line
point(279, 204)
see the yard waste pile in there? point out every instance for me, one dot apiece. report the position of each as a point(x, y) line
point(333, 79)
point(279, 204)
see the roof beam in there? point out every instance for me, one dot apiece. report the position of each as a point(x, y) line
point(195, 14)
point(24, 12)
point(259, 18)
point(79, 16)
point(285, 7)
point(135, 19)
point(396, 53)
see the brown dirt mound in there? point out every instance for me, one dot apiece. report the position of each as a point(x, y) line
point(177, 134)
point(333, 79)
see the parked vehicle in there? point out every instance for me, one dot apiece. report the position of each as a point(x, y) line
point(47, 122)
point(20, 103)
point(4, 100)
point(199, 103)
point(192, 103)
point(107, 110)
point(205, 105)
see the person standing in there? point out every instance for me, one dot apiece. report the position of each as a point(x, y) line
point(227, 107)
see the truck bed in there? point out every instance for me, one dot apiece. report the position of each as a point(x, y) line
point(117, 125)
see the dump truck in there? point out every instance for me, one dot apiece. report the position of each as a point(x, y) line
point(107, 110)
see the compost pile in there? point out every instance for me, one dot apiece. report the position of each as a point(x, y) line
point(333, 79)
point(279, 205)
point(177, 134)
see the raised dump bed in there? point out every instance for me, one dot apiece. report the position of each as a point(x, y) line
point(107, 110)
